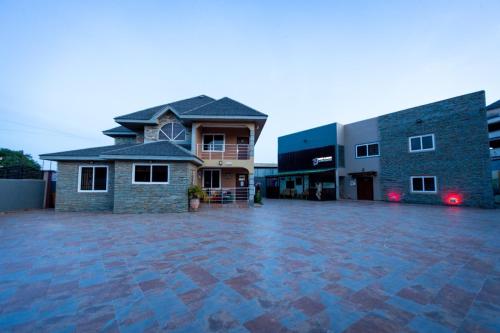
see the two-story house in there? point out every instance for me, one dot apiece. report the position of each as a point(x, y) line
point(158, 153)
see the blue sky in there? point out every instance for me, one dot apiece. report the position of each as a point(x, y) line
point(67, 68)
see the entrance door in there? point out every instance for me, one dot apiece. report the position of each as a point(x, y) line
point(242, 144)
point(241, 187)
point(364, 188)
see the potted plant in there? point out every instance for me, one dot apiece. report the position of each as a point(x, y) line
point(195, 193)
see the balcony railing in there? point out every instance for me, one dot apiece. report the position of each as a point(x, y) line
point(495, 153)
point(227, 195)
point(224, 152)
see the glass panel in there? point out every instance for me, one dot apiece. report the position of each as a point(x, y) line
point(427, 142)
point(298, 181)
point(142, 173)
point(207, 178)
point(429, 184)
point(166, 132)
point(100, 179)
point(373, 149)
point(160, 173)
point(361, 151)
point(215, 178)
point(213, 142)
point(86, 179)
point(178, 132)
point(417, 184)
point(290, 184)
point(415, 144)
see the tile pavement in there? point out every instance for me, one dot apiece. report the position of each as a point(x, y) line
point(290, 266)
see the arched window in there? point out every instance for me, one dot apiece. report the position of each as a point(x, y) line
point(173, 132)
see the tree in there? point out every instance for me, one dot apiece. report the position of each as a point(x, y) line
point(12, 158)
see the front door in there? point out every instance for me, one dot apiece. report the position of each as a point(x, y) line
point(364, 188)
point(242, 147)
point(241, 187)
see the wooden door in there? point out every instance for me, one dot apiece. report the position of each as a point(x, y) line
point(364, 188)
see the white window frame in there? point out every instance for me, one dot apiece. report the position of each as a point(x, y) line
point(421, 145)
point(174, 139)
point(423, 185)
point(79, 185)
point(213, 151)
point(150, 174)
point(220, 177)
point(367, 144)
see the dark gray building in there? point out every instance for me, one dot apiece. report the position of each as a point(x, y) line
point(436, 153)
point(493, 115)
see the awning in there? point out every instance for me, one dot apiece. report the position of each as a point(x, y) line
point(363, 174)
point(301, 172)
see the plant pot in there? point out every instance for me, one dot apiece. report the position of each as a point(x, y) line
point(194, 203)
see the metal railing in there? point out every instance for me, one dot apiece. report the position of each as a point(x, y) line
point(224, 152)
point(227, 195)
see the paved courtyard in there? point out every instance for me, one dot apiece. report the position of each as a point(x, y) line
point(287, 266)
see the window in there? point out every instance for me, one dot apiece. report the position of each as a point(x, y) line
point(172, 132)
point(421, 143)
point(211, 178)
point(367, 150)
point(150, 174)
point(290, 184)
point(213, 142)
point(93, 178)
point(423, 184)
point(298, 181)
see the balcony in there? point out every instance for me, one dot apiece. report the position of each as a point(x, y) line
point(224, 152)
point(227, 195)
point(495, 153)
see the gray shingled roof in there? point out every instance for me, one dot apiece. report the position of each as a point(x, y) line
point(493, 106)
point(119, 131)
point(179, 106)
point(225, 107)
point(159, 150)
point(93, 152)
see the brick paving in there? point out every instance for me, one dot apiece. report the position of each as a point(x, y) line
point(287, 266)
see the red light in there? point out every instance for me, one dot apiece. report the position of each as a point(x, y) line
point(453, 199)
point(394, 196)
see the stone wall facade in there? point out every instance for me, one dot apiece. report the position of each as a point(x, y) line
point(460, 160)
point(152, 198)
point(68, 199)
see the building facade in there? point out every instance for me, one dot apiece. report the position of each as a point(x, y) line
point(435, 153)
point(159, 153)
point(493, 115)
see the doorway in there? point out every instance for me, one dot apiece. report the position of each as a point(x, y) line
point(241, 187)
point(242, 147)
point(364, 187)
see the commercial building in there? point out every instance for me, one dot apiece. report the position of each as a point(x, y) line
point(436, 153)
point(493, 115)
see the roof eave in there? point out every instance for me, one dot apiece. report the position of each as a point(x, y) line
point(71, 158)
point(201, 117)
point(152, 158)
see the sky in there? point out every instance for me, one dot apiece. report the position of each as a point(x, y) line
point(67, 68)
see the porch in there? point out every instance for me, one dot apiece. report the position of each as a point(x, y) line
point(226, 185)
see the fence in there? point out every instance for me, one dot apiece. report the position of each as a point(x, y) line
point(20, 172)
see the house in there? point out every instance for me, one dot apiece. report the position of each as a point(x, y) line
point(493, 115)
point(158, 153)
point(435, 153)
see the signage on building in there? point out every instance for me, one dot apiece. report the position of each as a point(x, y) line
point(319, 160)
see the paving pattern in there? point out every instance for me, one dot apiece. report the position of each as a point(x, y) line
point(287, 266)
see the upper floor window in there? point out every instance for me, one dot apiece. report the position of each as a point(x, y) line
point(421, 143)
point(423, 184)
point(213, 142)
point(173, 132)
point(151, 174)
point(93, 178)
point(367, 150)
